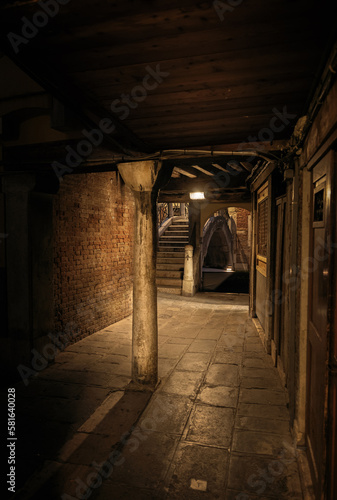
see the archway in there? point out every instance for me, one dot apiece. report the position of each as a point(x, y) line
point(226, 251)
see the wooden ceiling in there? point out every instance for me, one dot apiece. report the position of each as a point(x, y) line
point(224, 77)
point(224, 71)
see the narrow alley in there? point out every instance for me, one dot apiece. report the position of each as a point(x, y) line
point(168, 236)
point(217, 426)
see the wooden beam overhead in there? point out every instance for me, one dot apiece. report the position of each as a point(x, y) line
point(173, 75)
point(220, 167)
point(203, 170)
point(184, 172)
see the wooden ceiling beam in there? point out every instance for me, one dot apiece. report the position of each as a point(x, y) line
point(183, 197)
point(203, 170)
point(184, 172)
point(247, 166)
point(205, 185)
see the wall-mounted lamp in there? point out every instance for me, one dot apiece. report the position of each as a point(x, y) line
point(197, 196)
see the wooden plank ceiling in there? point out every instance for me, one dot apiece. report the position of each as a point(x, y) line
point(223, 80)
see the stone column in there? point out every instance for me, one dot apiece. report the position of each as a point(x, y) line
point(182, 209)
point(188, 282)
point(144, 179)
point(170, 210)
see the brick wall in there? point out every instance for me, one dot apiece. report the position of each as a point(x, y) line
point(93, 231)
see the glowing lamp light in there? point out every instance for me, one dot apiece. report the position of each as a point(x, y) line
point(197, 196)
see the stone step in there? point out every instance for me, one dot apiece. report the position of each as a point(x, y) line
point(169, 266)
point(167, 273)
point(169, 237)
point(169, 282)
point(175, 290)
point(178, 227)
point(170, 258)
point(170, 243)
point(169, 248)
point(174, 233)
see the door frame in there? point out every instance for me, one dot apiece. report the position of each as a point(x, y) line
point(326, 167)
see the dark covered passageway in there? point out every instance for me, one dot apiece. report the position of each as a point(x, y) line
point(168, 233)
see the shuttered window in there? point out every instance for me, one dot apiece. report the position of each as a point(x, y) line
point(262, 229)
point(262, 215)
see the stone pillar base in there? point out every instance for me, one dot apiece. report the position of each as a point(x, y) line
point(188, 288)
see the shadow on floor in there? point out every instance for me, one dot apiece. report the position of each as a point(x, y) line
point(93, 451)
point(217, 427)
point(215, 280)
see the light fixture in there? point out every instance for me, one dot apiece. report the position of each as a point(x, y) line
point(197, 196)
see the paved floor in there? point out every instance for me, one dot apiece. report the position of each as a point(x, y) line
point(216, 428)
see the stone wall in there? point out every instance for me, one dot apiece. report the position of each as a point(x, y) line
point(93, 235)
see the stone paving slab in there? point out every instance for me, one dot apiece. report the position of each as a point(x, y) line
point(145, 460)
point(202, 346)
point(185, 383)
point(263, 410)
point(194, 361)
point(262, 396)
point(262, 424)
point(211, 425)
point(167, 413)
point(224, 356)
point(199, 463)
point(219, 396)
point(275, 477)
point(223, 374)
point(217, 421)
point(260, 443)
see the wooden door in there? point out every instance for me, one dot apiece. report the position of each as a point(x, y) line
point(332, 438)
point(278, 297)
point(332, 332)
point(317, 376)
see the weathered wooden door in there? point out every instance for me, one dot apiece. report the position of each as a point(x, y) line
point(332, 333)
point(332, 494)
point(278, 297)
point(318, 266)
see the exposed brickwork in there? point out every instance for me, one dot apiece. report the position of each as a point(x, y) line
point(93, 228)
point(241, 246)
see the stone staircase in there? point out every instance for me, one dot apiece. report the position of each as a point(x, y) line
point(170, 257)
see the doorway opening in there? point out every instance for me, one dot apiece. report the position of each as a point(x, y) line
point(226, 251)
